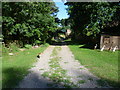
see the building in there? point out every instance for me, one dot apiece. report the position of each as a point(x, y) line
point(109, 42)
point(110, 37)
point(68, 32)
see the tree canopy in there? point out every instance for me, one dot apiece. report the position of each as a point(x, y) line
point(90, 18)
point(28, 22)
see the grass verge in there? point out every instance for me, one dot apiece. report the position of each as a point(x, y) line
point(102, 64)
point(15, 67)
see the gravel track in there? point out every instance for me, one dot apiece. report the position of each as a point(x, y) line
point(75, 70)
point(34, 79)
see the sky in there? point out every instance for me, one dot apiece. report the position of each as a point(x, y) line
point(62, 14)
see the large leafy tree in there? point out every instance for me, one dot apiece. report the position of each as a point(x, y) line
point(65, 23)
point(28, 22)
point(90, 18)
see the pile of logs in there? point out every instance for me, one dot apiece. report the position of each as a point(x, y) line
point(111, 48)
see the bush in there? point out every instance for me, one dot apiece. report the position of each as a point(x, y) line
point(37, 42)
point(13, 47)
point(28, 46)
point(5, 50)
point(46, 44)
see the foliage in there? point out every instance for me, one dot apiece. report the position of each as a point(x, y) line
point(37, 42)
point(28, 46)
point(11, 49)
point(28, 22)
point(46, 44)
point(89, 18)
point(5, 50)
point(65, 24)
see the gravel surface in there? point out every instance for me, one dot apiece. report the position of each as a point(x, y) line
point(34, 79)
point(78, 73)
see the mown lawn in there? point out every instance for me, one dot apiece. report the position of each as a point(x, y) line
point(15, 67)
point(103, 64)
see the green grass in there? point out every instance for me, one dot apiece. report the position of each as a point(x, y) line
point(102, 64)
point(15, 67)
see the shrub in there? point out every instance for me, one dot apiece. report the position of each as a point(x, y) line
point(28, 46)
point(37, 42)
point(46, 44)
point(5, 50)
point(13, 47)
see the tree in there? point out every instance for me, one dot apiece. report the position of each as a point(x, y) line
point(65, 24)
point(28, 22)
point(89, 18)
